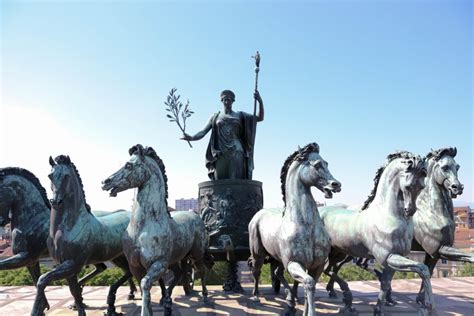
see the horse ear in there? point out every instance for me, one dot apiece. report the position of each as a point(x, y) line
point(455, 152)
point(68, 159)
point(51, 161)
point(140, 150)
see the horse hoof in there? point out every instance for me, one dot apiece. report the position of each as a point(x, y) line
point(332, 294)
point(114, 313)
point(390, 302)
point(205, 299)
point(255, 299)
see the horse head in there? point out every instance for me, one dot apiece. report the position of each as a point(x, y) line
point(443, 169)
point(66, 183)
point(313, 170)
point(132, 175)
point(143, 163)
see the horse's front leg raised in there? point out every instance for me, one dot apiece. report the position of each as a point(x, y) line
point(65, 270)
point(154, 272)
point(403, 264)
point(17, 261)
point(298, 273)
point(453, 254)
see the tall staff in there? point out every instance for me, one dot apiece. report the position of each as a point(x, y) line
point(257, 70)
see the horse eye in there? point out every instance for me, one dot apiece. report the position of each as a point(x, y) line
point(50, 176)
point(316, 164)
point(457, 167)
point(128, 166)
point(445, 168)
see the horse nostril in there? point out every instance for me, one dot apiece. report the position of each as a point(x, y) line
point(454, 186)
point(335, 184)
point(106, 181)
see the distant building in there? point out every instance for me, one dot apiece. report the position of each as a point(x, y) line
point(187, 204)
point(464, 217)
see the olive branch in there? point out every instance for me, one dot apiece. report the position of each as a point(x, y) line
point(178, 114)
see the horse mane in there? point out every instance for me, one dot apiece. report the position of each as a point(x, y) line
point(16, 171)
point(438, 154)
point(65, 160)
point(298, 155)
point(150, 152)
point(378, 174)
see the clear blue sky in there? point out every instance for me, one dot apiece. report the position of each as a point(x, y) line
point(361, 78)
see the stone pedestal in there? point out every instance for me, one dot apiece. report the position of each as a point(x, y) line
point(226, 207)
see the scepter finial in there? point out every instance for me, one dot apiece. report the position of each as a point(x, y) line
point(257, 60)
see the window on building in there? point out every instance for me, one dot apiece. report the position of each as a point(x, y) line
point(445, 273)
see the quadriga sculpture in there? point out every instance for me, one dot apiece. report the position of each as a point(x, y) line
point(295, 236)
point(25, 205)
point(154, 240)
point(383, 228)
point(434, 219)
point(78, 238)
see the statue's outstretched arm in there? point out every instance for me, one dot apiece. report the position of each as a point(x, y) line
point(201, 133)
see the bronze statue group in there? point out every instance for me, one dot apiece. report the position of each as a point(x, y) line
point(409, 208)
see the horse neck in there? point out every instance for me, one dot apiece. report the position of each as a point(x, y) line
point(150, 202)
point(74, 207)
point(27, 203)
point(435, 198)
point(300, 204)
point(389, 199)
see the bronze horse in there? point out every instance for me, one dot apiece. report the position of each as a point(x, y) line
point(25, 205)
point(154, 240)
point(78, 238)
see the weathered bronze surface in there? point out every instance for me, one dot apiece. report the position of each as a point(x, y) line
point(78, 238)
point(383, 228)
point(155, 241)
point(25, 205)
point(295, 236)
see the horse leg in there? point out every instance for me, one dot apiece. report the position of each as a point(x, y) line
point(154, 272)
point(290, 292)
point(403, 264)
point(453, 254)
point(17, 261)
point(133, 289)
point(363, 263)
point(201, 269)
point(333, 276)
point(76, 292)
point(346, 292)
point(430, 262)
point(163, 291)
point(35, 273)
point(186, 277)
point(385, 278)
point(166, 300)
point(298, 273)
point(256, 264)
point(122, 263)
point(276, 282)
point(64, 270)
point(98, 268)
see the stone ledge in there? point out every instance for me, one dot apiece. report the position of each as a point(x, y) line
point(453, 296)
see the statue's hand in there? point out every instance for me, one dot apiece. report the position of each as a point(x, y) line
point(186, 137)
point(257, 96)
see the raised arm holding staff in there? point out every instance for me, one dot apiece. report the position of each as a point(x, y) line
point(229, 154)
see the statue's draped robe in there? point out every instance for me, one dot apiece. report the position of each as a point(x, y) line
point(214, 152)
